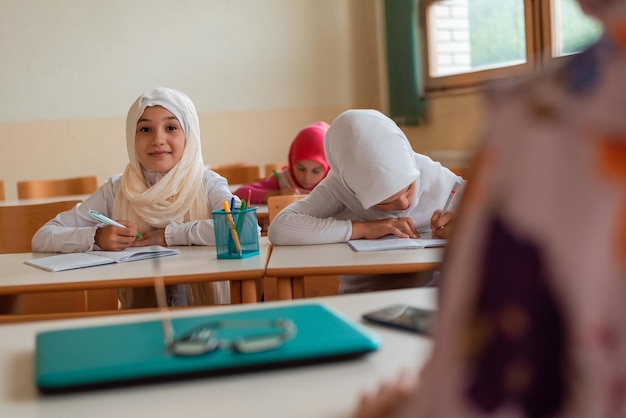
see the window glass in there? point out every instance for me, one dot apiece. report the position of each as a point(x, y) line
point(467, 43)
point(572, 29)
point(475, 35)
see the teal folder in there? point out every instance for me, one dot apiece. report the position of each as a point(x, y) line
point(93, 357)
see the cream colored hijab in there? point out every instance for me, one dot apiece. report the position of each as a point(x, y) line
point(178, 196)
point(369, 155)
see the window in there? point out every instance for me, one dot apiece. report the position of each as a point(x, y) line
point(468, 42)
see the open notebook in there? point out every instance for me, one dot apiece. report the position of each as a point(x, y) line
point(82, 358)
point(72, 261)
point(395, 243)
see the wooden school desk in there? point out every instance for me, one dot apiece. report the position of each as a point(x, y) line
point(289, 263)
point(316, 391)
point(194, 264)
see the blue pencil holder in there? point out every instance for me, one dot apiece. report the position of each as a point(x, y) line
point(236, 233)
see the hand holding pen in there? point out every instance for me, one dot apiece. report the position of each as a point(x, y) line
point(441, 221)
point(113, 239)
point(286, 187)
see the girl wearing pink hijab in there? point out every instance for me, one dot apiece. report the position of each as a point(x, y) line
point(307, 167)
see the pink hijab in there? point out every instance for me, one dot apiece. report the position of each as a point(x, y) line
point(309, 145)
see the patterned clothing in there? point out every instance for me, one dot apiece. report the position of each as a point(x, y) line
point(533, 288)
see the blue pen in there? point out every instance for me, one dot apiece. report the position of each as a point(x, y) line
point(232, 204)
point(100, 217)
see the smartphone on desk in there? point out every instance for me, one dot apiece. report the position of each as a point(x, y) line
point(404, 317)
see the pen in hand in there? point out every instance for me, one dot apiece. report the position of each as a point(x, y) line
point(452, 198)
point(454, 193)
point(105, 220)
point(281, 179)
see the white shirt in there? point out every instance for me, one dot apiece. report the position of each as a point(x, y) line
point(74, 230)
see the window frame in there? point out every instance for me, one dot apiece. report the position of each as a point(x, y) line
point(540, 52)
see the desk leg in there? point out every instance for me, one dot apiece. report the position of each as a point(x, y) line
point(298, 287)
point(248, 291)
point(235, 292)
point(284, 291)
point(11, 304)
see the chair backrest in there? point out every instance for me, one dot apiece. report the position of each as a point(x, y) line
point(461, 171)
point(19, 223)
point(32, 189)
point(238, 173)
point(273, 166)
point(2, 193)
point(276, 203)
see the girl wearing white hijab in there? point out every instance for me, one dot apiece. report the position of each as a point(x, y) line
point(165, 193)
point(377, 185)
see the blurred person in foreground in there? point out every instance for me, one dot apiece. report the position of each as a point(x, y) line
point(532, 319)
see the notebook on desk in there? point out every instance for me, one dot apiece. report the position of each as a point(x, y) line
point(394, 243)
point(92, 357)
point(71, 261)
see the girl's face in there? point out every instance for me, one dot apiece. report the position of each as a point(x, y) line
point(308, 173)
point(399, 201)
point(159, 139)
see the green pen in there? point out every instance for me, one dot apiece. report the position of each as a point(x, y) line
point(281, 179)
point(108, 221)
point(243, 206)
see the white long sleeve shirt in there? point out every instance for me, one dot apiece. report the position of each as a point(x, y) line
point(74, 230)
point(325, 216)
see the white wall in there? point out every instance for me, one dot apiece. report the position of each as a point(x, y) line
point(257, 70)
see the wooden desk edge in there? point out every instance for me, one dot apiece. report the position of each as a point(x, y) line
point(131, 282)
point(340, 270)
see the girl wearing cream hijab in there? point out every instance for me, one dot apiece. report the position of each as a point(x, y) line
point(377, 185)
point(165, 194)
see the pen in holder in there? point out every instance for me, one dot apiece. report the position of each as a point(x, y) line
point(236, 233)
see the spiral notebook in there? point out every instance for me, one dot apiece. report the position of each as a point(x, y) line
point(133, 353)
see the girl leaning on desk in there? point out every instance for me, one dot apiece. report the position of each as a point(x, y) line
point(165, 194)
point(377, 186)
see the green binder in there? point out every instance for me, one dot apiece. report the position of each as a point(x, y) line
point(131, 353)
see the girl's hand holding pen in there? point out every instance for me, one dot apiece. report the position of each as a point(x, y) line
point(441, 224)
point(289, 191)
point(153, 237)
point(116, 238)
point(285, 187)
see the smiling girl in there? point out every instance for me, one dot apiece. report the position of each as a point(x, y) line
point(165, 194)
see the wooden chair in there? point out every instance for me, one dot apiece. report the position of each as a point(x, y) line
point(238, 173)
point(273, 166)
point(277, 203)
point(18, 224)
point(32, 189)
point(305, 286)
point(2, 193)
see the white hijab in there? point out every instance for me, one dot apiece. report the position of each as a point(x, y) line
point(157, 199)
point(359, 140)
